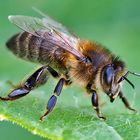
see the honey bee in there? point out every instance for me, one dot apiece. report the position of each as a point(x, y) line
point(68, 58)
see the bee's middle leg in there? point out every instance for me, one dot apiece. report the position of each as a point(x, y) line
point(53, 99)
point(38, 78)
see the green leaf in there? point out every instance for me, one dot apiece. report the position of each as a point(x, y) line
point(73, 118)
point(115, 24)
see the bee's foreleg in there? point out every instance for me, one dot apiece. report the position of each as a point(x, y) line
point(126, 103)
point(38, 78)
point(94, 100)
point(53, 99)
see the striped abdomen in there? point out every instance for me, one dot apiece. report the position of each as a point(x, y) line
point(35, 49)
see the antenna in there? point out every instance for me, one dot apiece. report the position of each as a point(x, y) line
point(124, 78)
point(129, 82)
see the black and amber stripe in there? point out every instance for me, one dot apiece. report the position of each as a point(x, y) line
point(25, 45)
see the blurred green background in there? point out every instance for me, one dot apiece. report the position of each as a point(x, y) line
point(115, 24)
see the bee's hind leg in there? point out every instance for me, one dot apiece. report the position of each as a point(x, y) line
point(53, 99)
point(38, 78)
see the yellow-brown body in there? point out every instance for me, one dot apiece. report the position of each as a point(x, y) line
point(65, 56)
point(29, 47)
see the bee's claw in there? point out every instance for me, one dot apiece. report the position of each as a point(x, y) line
point(135, 111)
point(43, 116)
point(102, 117)
point(5, 99)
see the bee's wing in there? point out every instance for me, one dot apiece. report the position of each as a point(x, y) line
point(28, 24)
point(54, 23)
point(45, 30)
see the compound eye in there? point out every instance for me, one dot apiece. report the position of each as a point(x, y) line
point(108, 74)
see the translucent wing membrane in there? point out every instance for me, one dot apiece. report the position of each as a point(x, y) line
point(50, 30)
point(51, 21)
point(28, 24)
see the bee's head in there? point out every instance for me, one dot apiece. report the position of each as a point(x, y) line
point(110, 78)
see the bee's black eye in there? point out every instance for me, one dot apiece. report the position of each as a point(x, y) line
point(108, 74)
